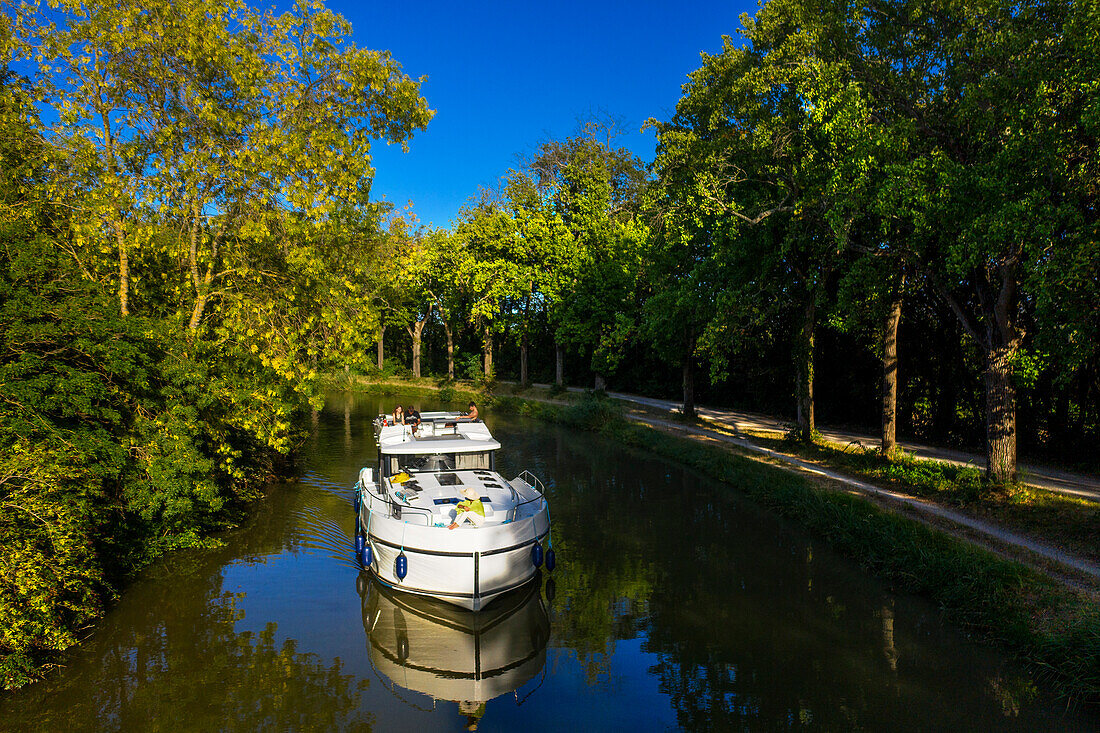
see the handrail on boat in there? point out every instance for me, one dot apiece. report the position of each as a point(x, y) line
point(531, 480)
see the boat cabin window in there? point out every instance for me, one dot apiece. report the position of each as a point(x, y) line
point(436, 462)
point(473, 460)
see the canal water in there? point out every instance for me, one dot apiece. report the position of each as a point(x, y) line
point(675, 606)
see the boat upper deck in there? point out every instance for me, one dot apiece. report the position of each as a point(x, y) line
point(438, 432)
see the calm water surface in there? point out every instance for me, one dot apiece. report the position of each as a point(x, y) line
point(675, 606)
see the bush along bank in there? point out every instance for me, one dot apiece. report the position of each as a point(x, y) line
point(1052, 628)
point(118, 443)
point(446, 391)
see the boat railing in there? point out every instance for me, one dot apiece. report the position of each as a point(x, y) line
point(533, 481)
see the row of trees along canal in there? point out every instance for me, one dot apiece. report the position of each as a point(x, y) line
point(187, 239)
point(840, 169)
point(185, 231)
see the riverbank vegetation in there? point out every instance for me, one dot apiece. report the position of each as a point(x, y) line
point(1063, 521)
point(1053, 628)
point(853, 213)
point(877, 213)
point(184, 231)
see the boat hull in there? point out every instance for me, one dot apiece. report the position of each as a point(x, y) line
point(468, 567)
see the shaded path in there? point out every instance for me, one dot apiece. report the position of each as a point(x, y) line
point(747, 423)
point(921, 506)
point(987, 533)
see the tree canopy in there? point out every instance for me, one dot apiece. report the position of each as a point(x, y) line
point(875, 212)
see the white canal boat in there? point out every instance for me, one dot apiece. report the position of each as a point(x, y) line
point(407, 507)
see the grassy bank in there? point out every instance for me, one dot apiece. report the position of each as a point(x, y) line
point(1064, 521)
point(1067, 522)
point(454, 392)
point(1054, 629)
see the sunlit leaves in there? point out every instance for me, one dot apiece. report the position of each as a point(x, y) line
point(180, 254)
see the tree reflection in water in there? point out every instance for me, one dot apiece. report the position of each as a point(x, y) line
point(176, 662)
point(749, 624)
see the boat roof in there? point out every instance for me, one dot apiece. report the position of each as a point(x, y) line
point(439, 432)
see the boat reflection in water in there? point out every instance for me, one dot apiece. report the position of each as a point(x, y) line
point(448, 653)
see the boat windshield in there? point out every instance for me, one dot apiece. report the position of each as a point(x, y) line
point(436, 462)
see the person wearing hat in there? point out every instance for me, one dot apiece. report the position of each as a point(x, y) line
point(470, 509)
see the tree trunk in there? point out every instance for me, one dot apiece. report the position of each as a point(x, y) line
point(600, 383)
point(416, 331)
point(120, 238)
point(888, 646)
point(1000, 342)
point(1083, 400)
point(890, 377)
point(487, 351)
point(203, 285)
point(381, 339)
point(123, 272)
point(197, 311)
point(559, 365)
point(1058, 418)
point(523, 360)
point(450, 350)
point(805, 375)
point(347, 420)
point(689, 388)
point(1000, 415)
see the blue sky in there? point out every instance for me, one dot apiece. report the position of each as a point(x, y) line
point(505, 76)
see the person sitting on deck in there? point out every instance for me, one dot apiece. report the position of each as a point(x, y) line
point(412, 417)
point(469, 509)
point(398, 416)
point(470, 414)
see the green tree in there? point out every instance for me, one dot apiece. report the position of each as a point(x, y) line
point(591, 289)
point(990, 187)
point(487, 236)
point(448, 266)
point(208, 116)
point(539, 251)
point(762, 135)
point(196, 165)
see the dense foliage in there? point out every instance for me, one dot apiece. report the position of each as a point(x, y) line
point(883, 210)
point(876, 211)
point(180, 251)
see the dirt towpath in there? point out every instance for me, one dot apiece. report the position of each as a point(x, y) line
point(1067, 567)
point(748, 423)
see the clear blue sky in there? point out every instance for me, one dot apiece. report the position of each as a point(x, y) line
point(505, 76)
